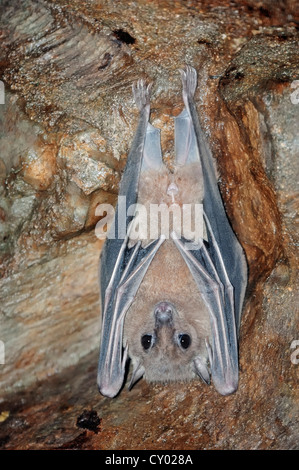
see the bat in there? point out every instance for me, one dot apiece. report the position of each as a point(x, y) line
point(171, 298)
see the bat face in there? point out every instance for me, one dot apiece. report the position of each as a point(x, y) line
point(171, 297)
point(168, 324)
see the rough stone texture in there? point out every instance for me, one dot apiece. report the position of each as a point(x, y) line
point(66, 127)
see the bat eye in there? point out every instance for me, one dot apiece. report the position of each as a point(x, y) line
point(146, 341)
point(185, 341)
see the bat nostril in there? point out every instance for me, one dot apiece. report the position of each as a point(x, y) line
point(163, 313)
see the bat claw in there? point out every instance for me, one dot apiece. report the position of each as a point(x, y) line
point(202, 370)
point(137, 373)
point(189, 82)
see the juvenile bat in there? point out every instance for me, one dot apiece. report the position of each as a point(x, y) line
point(171, 303)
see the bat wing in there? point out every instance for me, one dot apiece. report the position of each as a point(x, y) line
point(232, 255)
point(218, 266)
point(122, 269)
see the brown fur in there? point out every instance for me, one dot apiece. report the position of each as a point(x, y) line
point(153, 187)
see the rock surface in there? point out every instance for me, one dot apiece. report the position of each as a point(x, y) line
point(66, 127)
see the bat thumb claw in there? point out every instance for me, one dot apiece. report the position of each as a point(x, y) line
point(202, 370)
point(138, 372)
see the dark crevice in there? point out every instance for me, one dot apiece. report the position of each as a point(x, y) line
point(124, 36)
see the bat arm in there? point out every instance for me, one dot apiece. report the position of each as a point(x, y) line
point(112, 358)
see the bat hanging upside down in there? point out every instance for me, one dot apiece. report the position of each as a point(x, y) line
point(171, 301)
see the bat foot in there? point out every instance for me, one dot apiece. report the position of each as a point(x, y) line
point(142, 94)
point(189, 82)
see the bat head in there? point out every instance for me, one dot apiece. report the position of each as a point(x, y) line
point(167, 347)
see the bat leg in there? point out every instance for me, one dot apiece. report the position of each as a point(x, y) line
point(186, 148)
point(186, 145)
point(152, 154)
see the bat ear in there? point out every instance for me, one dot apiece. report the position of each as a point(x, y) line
point(136, 374)
point(202, 370)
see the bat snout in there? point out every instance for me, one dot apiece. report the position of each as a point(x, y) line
point(164, 313)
